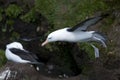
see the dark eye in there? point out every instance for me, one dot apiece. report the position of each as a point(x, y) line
point(50, 38)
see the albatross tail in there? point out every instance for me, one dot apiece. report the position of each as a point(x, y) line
point(99, 38)
point(37, 65)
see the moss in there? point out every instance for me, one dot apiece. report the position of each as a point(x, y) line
point(1, 10)
point(4, 28)
point(89, 49)
point(15, 36)
point(113, 4)
point(47, 8)
point(10, 22)
point(2, 57)
point(13, 10)
point(30, 16)
point(106, 26)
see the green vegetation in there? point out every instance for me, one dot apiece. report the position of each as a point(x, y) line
point(30, 16)
point(59, 13)
point(1, 10)
point(2, 57)
point(47, 8)
point(13, 11)
point(88, 48)
point(15, 36)
point(62, 13)
point(10, 22)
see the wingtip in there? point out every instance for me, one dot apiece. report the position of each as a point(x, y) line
point(37, 63)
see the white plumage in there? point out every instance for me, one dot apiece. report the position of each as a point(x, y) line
point(79, 33)
point(13, 57)
point(64, 35)
point(16, 53)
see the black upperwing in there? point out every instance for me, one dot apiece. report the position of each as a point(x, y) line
point(87, 23)
point(25, 55)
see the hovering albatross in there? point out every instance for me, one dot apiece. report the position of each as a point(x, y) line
point(79, 33)
point(16, 53)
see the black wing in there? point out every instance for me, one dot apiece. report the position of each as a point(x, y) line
point(25, 55)
point(87, 23)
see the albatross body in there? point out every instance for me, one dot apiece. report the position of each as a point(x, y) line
point(16, 53)
point(79, 33)
point(64, 35)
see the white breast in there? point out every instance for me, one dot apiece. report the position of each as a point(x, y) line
point(10, 56)
point(78, 36)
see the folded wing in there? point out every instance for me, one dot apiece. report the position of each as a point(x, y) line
point(25, 55)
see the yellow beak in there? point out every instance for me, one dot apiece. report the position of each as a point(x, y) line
point(44, 43)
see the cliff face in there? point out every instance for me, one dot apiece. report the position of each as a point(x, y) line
point(37, 18)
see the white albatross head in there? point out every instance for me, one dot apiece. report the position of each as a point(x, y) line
point(15, 45)
point(51, 38)
point(57, 35)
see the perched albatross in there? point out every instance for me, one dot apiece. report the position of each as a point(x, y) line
point(16, 53)
point(79, 33)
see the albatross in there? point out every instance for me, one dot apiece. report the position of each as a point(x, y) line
point(79, 33)
point(16, 53)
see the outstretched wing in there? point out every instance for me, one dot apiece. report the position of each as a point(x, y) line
point(25, 55)
point(87, 23)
